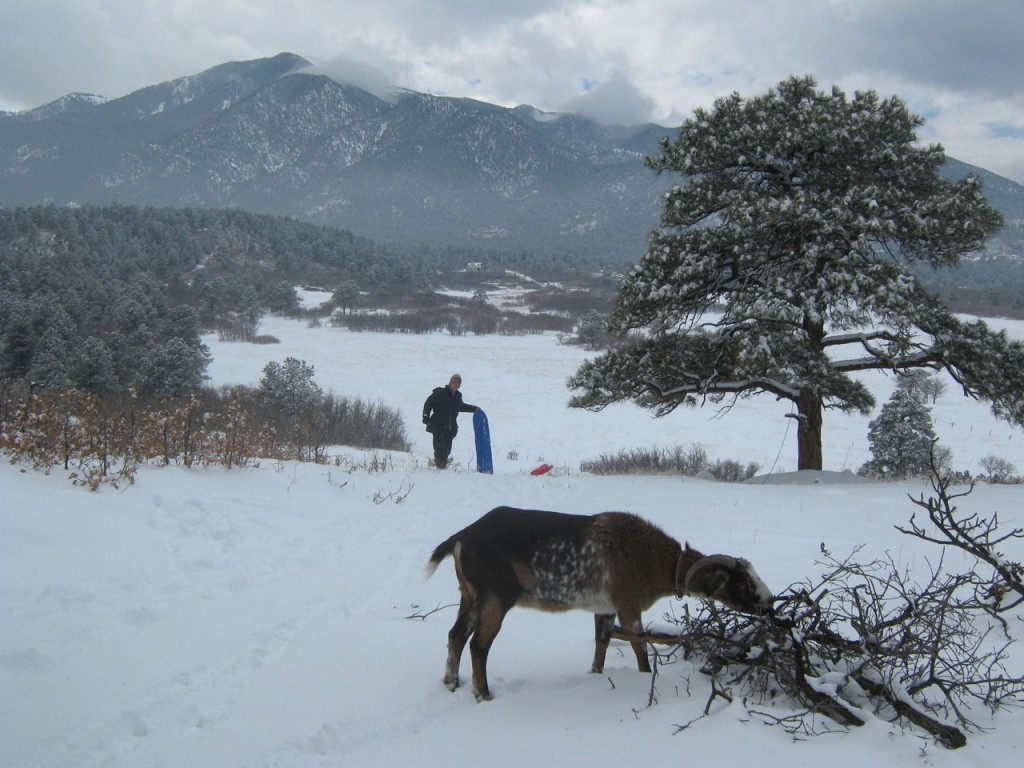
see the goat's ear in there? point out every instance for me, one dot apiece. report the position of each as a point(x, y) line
point(707, 582)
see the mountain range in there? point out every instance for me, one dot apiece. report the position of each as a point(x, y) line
point(273, 136)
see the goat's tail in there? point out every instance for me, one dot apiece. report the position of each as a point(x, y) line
point(443, 550)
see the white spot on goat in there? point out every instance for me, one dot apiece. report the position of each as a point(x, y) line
point(567, 575)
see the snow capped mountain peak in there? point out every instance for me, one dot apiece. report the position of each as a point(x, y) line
point(336, 144)
point(69, 103)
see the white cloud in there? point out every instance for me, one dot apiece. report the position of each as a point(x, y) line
point(615, 101)
point(380, 79)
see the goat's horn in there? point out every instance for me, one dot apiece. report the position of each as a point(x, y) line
point(681, 575)
point(710, 561)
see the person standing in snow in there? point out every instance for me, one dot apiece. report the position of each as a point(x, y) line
point(440, 414)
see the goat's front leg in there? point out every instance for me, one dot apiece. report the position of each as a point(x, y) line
point(604, 625)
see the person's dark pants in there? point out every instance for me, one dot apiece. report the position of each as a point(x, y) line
point(442, 449)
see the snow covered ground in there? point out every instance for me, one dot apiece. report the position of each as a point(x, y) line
point(260, 617)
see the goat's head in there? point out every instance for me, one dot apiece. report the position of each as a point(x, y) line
point(732, 581)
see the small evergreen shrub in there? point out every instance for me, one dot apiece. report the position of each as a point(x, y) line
point(902, 436)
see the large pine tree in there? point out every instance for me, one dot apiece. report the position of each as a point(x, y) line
point(782, 264)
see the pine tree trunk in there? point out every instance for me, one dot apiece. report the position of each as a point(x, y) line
point(809, 435)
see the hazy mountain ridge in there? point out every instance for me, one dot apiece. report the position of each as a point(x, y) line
point(418, 169)
point(64, 105)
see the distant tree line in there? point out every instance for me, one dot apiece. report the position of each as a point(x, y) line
point(113, 298)
point(988, 286)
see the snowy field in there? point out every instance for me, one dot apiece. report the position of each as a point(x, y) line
point(520, 382)
point(218, 618)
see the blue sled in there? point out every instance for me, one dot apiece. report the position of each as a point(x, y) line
point(482, 431)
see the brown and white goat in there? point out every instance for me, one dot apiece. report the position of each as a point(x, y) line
point(611, 563)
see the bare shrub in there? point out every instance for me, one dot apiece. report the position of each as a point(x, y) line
point(427, 321)
point(730, 471)
point(482, 319)
point(74, 430)
point(865, 640)
point(999, 470)
point(238, 326)
point(571, 303)
point(362, 424)
point(374, 463)
point(677, 460)
point(105, 441)
point(516, 324)
point(978, 536)
point(632, 461)
point(455, 318)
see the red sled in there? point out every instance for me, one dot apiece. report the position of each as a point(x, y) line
point(543, 469)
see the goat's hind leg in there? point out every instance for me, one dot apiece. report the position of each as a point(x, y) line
point(491, 615)
point(458, 636)
point(604, 625)
point(643, 662)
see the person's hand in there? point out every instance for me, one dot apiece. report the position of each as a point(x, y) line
point(426, 419)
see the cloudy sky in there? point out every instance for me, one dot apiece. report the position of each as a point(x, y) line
point(958, 63)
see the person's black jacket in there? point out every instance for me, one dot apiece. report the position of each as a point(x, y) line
point(441, 411)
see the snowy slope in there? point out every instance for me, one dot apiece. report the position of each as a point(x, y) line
point(259, 617)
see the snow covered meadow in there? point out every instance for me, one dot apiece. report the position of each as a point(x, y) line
point(262, 617)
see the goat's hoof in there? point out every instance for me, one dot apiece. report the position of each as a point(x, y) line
point(596, 669)
point(485, 696)
point(451, 682)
